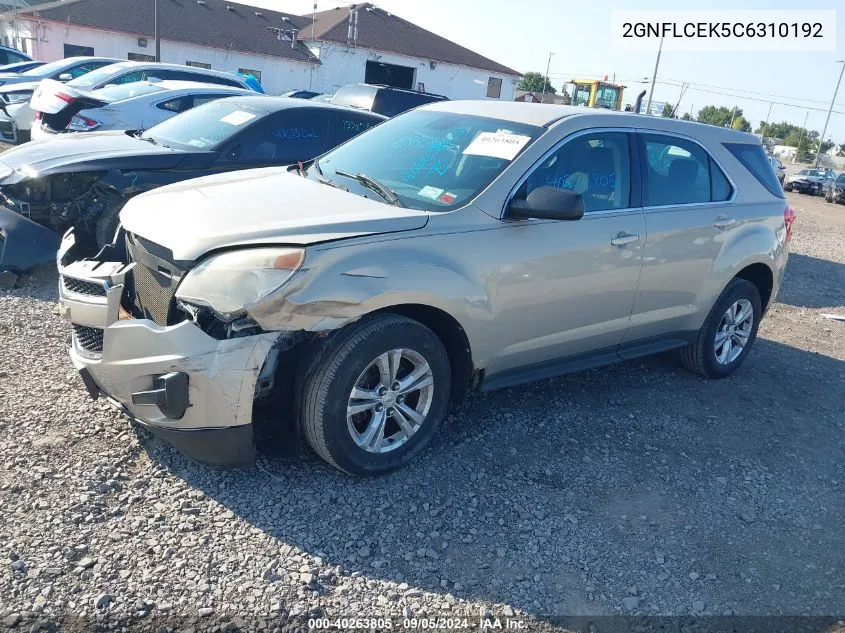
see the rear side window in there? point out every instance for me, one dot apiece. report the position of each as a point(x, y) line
point(678, 171)
point(393, 102)
point(753, 158)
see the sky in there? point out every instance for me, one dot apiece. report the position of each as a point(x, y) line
point(522, 34)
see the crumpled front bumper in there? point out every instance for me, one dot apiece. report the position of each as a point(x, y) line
point(184, 385)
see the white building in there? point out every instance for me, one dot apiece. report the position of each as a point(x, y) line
point(362, 43)
point(345, 45)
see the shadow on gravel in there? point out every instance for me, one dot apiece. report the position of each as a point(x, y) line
point(813, 283)
point(638, 481)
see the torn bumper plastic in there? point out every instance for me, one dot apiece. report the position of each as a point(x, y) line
point(24, 244)
point(193, 390)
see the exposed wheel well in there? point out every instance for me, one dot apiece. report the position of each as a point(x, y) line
point(761, 276)
point(454, 339)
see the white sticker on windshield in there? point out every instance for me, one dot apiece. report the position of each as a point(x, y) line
point(238, 117)
point(429, 192)
point(497, 145)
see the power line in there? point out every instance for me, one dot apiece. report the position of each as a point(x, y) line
point(679, 82)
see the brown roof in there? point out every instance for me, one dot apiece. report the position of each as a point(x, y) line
point(218, 23)
point(388, 32)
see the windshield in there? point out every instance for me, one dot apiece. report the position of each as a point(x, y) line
point(819, 173)
point(127, 91)
point(206, 126)
point(433, 161)
point(47, 69)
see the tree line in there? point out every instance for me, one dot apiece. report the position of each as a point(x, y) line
point(806, 141)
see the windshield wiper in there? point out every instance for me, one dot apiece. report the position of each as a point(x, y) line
point(385, 192)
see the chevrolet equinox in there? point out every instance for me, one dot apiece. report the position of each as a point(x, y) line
point(462, 245)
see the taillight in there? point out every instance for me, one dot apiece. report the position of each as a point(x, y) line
point(37, 116)
point(788, 221)
point(65, 97)
point(81, 123)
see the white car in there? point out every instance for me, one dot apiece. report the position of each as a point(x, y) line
point(141, 105)
point(16, 90)
point(55, 103)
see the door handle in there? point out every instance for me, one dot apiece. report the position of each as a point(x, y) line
point(625, 238)
point(724, 222)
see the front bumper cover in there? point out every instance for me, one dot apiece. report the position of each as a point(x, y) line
point(23, 244)
point(189, 388)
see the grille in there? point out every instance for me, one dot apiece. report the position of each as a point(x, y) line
point(153, 292)
point(89, 338)
point(82, 287)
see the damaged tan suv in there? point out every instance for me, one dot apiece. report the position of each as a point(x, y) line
point(463, 245)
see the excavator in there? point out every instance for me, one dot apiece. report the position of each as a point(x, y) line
point(594, 93)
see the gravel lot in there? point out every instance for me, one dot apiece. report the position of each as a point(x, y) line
point(634, 489)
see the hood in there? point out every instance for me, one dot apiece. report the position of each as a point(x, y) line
point(257, 206)
point(8, 79)
point(80, 152)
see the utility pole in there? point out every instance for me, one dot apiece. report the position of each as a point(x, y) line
point(546, 78)
point(157, 35)
point(769, 113)
point(313, 43)
point(827, 120)
point(654, 76)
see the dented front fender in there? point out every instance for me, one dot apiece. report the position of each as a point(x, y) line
point(343, 284)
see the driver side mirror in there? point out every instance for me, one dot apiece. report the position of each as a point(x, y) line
point(64, 77)
point(548, 203)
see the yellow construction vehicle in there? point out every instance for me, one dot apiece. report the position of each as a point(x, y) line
point(596, 94)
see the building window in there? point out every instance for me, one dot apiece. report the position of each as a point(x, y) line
point(198, 65)
point(72, 50)
point(494, 87)
point(249, 71)
point(138, 57)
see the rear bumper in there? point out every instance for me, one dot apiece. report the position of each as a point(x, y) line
point(38, 132)
point(189, 388)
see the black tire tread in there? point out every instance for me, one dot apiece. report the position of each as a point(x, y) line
point(317, 384)
point(106, 224)
point(692, 357)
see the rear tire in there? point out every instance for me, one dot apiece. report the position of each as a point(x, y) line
point(353, 418)
point(721, 346)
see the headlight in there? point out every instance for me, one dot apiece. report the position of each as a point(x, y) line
point(229, 282)
point(18, 97)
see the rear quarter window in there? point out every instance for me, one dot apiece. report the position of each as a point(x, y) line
point(753, 158)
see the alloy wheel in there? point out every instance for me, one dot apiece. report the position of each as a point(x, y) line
point(390, 400)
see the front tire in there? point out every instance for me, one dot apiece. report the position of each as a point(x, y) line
point(378, 396)
point(107, 223)
point(728, 333)
point(787, 187)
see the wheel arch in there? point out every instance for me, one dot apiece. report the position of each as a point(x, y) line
point(763, 278)
point(451, 334)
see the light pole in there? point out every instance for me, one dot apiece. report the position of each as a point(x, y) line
point(546, 78)
point(830, 109)
point(654, 76)
point(157, 36)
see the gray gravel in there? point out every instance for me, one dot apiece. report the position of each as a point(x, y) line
point(634, 489)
